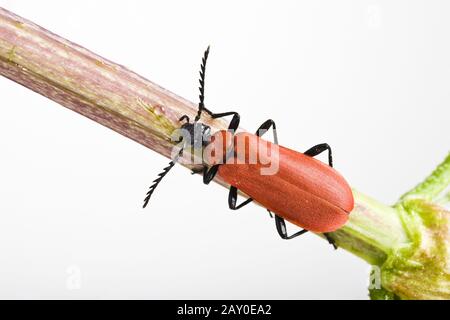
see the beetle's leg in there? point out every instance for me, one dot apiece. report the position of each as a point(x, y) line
point(234, 123)
point(233, 195)
point(316, 150)
point(184, 118)
point(261, 131)
point(232, 199)
point(331, 240)
point(279, 222)
point(196, 171)
point(266, 126)
point(208, 175)
point(281, 228)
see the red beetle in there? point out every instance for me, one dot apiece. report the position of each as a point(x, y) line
point(293, 185)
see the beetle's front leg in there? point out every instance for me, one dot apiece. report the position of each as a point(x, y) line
point(209, 174)
point(234, 123)
point(197, 170)
point(232, 199)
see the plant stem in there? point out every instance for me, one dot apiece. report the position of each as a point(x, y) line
point(88, 84)
point(373, 230)
point(139, 109)
point(433, 188)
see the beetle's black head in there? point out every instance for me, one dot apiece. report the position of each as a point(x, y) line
point(199, 134)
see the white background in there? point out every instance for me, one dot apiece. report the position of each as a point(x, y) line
point(371, 78)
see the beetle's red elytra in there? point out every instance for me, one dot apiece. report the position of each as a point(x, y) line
point(304, 191)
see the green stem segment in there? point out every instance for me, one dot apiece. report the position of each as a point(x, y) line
point(372, 231)
point(434, 187)
point(376, 230)
point(389, 237)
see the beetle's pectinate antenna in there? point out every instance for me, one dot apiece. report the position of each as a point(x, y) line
point(157, 181)
point(201, 105)
point(160, 177)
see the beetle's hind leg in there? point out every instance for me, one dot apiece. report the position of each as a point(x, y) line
point(232, 199)
point(282, 231)
point(314, 151)
point(197, 170)
point(331, 240)
point(318, 149)
point(279, 222)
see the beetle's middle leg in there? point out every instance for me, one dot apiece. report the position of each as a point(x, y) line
point(279, 221)
point(314, 151)
point(233, 194)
